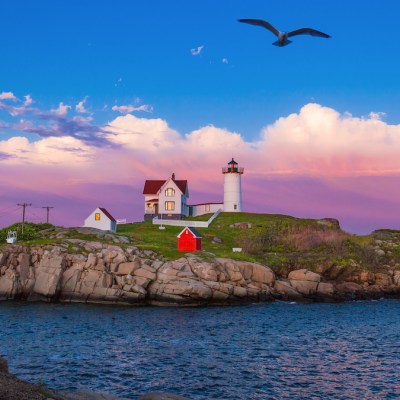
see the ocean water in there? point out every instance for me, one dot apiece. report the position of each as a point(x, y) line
point(261, 351)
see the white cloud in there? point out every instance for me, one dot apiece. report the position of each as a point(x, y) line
point(62, 109)
point(66, 151)
point(7, 96)
point(28, 100)
point(80, 107)
point(316, 141)
point(197, 50)
point(211, 138)
point(320, 141)
point(377, 115)
point(142, 133)
point(125, 109)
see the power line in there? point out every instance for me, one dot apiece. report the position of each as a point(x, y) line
point(48, 212)
point(23, 205)
point(6, 211)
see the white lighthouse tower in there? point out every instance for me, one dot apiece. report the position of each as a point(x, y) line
point(232, 187)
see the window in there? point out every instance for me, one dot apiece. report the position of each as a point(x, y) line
point(169, 192)
point(207, 207)
point(235, 206)
point(169, 205)
point(97, 216)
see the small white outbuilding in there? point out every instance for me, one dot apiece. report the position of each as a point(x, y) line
point(100, 218)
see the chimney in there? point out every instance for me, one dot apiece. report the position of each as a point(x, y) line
point(173, 176)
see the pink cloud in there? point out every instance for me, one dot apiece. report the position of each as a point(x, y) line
point(126, 109)
point(315, 163)
point(28, 100)
point(319, 141)
point(7, 96)
point(61, 110)
point(80, 107)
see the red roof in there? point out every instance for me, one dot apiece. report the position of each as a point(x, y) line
point(152, 187)
point(107, 214)
point(152, 201)
point(193, 231)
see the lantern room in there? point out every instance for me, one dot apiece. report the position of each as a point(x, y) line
point(232, 168)
point(232, 165)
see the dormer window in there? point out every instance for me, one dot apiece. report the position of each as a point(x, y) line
point(169, 192)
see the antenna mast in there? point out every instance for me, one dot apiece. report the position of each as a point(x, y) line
point(47, 213)
point(23, 205)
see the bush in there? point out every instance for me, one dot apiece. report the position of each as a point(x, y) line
point(309, 239)
point(30, 231)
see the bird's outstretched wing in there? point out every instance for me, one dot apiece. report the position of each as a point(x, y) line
point(307, 31)
point(262, 23)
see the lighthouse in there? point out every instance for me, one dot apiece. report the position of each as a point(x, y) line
point(232, 187)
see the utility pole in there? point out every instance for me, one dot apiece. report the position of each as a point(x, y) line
point(48, 212)
point(23, 205)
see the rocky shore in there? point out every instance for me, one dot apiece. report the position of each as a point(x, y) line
point(12, 388)
point(84, 271)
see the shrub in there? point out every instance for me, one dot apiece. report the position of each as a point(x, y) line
point(309, 239)
point(30, 231)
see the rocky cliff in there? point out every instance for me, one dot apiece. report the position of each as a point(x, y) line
point(78, 270)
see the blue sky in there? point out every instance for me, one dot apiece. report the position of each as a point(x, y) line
point(175, 70)
point(114, 51)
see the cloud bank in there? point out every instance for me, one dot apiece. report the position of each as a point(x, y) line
point(316, 162)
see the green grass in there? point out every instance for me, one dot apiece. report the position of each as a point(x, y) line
point(147, 236)
point(280, 241)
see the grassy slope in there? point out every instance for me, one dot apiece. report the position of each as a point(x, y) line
point(277, 240)
point(280, 241)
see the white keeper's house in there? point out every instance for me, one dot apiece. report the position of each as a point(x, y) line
point(167, 199)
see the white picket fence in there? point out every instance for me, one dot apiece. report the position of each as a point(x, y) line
point(193, 224)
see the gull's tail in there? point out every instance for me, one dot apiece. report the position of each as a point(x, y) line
point(280, 44)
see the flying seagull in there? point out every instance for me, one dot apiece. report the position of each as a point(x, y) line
point(283, 37)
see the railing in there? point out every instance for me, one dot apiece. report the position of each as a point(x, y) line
point(193, 224)
point(214, 216)
point(226, 170)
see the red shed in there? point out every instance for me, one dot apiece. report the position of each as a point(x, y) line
point(189, 240)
